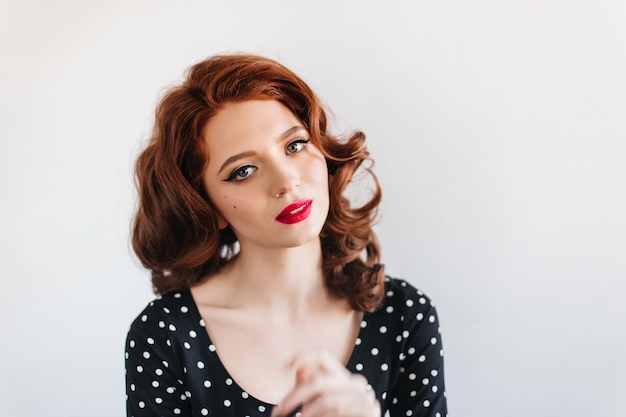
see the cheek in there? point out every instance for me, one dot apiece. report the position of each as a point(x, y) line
point(231, 205)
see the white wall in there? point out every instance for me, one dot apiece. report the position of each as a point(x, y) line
point(499, 129)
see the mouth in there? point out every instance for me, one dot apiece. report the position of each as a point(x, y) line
point(295, 212)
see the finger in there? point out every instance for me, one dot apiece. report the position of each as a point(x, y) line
point(307, 391)
point(318, 361)
point(356, 400)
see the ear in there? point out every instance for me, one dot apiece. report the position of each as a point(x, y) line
point(221, 222)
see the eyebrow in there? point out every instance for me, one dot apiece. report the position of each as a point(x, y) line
point(246, 154)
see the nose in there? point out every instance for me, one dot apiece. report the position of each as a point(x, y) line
point(284, 179)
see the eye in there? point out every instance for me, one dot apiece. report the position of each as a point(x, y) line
point(297, 145)
point(241, 173)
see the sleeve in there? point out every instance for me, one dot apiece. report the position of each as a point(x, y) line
point(154, 374)
point(420, 389)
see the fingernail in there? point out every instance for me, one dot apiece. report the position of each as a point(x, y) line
point(276, 411)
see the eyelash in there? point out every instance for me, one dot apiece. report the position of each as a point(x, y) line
point(234, 175)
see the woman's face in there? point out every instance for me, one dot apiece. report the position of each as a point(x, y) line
point(268, 183)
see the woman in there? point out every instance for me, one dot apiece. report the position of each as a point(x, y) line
point(272, 298)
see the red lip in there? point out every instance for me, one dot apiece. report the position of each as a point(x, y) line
point(295, 212)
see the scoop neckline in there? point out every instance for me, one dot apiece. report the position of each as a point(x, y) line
point(356, 349)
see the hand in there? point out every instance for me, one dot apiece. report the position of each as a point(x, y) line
point(324, 388)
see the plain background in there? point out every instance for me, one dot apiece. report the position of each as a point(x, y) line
point(499, 133)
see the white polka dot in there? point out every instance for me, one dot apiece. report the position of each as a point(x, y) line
point(184, 309)
point(159, 372)
point(419, 316)
point(192, 334)
point(262, 408)
point(132, 387)
point(426, 403)
point(434, 372)
point(245, 395)
point(165, 364)
point(357, 341)
point(422, 358)
point(170, 390)
point(433, 341)
point(405, 334)
point(172, 327)
point(187, 345)
point(422, 300)
point(229, 381)
point(200, 365)
point(183, 397)
point(402, 356)
point(412, 377)
point(389, 309)
point(384, 396)
point(212, 348)
point(431, 319)
point(177, 411)
point(201, 322)
point(413, 393)
point(139, 368)
point(146, 355)
point(144, 318)
point(434, 388)
point(126, 355)
point(382, 329)
point(131, 343)
point(167, 310)
point(227, 403)
point(188, 394)
point(441, 352)
point(204, 412)
point(399, 338)
point(409, 412)
point(142, 404)
point(425, 381)
point(374, 351)
point(155, 384)
point(150, 341)
point(395, 400)
point(162, 324)
point(207, 383)
point(158, 400)
point(438, 415)
point(389, 293)
point(411, 350)
point(409, 303)
point(363, 324)
point(358, 367)
point(384, 367)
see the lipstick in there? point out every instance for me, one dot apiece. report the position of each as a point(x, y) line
point(295, 212)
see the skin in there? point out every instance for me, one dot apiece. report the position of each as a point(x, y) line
point(270, 301)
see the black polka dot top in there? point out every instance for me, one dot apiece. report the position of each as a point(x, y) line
point(173, 368)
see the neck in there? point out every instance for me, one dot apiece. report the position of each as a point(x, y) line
point(285, 278)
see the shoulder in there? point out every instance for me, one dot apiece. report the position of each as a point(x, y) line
point(401, 293)
point(405, 306)
point(164, 313)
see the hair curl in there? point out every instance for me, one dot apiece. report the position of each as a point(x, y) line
point(175, 230)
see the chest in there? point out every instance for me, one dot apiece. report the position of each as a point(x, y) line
point(254, 351)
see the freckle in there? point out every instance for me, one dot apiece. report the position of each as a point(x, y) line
point(234, 206)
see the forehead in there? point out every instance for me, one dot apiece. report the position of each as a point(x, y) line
point(249, 118)
point(246, 123)
point(246, 126)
